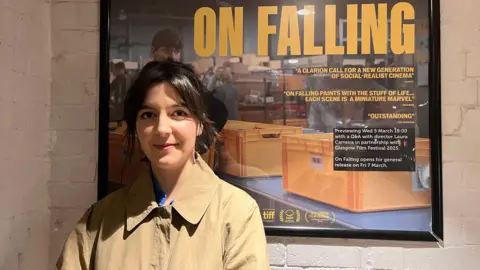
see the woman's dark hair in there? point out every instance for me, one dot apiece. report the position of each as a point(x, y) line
point(182, 77)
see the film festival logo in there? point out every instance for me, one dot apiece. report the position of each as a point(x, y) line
point(268, 215)
point(289, 216)
point(320, 217)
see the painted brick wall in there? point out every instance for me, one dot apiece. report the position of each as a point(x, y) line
point(74, 101)
point(52, 96)
point(24, 134)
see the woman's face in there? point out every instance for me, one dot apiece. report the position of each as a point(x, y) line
point(165, 127)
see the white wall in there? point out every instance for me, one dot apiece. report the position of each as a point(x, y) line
point(24, 134)
point(61, 148)
point(74, 113)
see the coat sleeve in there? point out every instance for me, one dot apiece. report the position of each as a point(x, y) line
point(246, 244)
point(77, 250)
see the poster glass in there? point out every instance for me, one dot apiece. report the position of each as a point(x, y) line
point(328, 103)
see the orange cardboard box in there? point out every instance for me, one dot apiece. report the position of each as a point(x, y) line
point(297, 122)
point(356, 191)
point(253, 149)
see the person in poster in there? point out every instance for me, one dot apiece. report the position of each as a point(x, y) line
point(118, 91)
point(330, 127)
point(166, 44)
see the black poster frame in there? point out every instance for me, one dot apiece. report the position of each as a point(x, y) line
point(436, 233)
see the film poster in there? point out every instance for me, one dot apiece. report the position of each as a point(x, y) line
point(327, 102)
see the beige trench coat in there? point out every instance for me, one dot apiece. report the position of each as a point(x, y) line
point(211, 225)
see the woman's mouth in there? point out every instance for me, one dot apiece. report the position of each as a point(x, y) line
point(166, 146)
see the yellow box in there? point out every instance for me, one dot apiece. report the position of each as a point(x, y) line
point(297, 122)
point(356, 191)
point(253, 149)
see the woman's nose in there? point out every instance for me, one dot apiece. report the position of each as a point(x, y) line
point(163, 125)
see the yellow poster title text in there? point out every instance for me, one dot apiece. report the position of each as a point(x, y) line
point(375, 32)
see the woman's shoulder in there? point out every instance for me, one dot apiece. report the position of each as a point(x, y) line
point(112, 204)
point(236, 200)
point(115, 197)
point(80, 243)
point(227, 194)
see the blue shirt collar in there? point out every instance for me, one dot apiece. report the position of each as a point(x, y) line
point(160, 196)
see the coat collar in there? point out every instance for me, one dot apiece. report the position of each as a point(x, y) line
point(191, 203)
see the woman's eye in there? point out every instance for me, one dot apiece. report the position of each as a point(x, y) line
point(146, 115)
point(180, 113)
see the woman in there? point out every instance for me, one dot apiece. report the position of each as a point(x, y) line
point(178, 214)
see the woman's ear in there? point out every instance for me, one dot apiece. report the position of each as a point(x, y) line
point(199, 129)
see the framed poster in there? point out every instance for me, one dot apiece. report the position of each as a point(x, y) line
point(333, 106)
